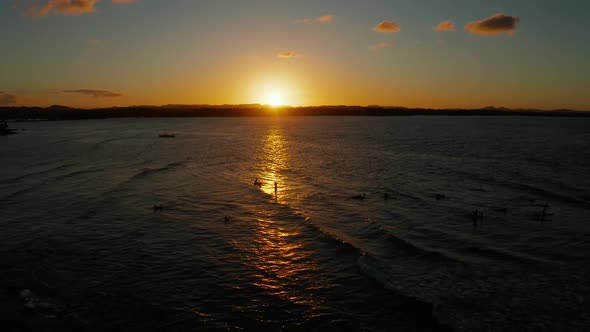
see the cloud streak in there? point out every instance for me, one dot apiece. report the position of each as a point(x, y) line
point(494, 25)
point(287, 55)
point(62, 7)
point(94, 93)
point(67, 7)
point(379, 46)
point(7, 99)
point(321, 19)
point(443, 26)
point(387, 27)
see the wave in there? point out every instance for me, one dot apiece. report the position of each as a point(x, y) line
point(444, 316)
point(490, 252)
point(375, 270)
point(409, 247)
point(150, 171)
point(327, 236)
point(320, 232)
point(166, 168)
point(107, 196)
point(77, 173)
point(35, 186)
point(32, 174)
point(97, 145)
point(579, 199)
point(464, 255)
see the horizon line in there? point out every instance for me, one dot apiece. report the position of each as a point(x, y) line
point(489, 107)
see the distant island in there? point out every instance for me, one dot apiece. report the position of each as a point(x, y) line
point(58, 112)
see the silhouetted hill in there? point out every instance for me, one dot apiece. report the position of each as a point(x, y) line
point(58, 112)
point(59, 107)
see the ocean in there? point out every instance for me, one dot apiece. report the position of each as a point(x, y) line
point(370, 225)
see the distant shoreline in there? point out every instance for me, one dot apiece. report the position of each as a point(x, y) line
point(53, 113)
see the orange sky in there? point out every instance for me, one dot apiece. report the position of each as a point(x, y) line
point(392, 53)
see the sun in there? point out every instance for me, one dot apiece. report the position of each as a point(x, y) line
point(274, 100)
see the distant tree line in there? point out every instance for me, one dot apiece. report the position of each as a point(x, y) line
point(68, 113)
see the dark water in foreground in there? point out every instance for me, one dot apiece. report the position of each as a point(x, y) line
point(76, 216)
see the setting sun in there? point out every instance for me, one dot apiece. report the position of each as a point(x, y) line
point(274, 100)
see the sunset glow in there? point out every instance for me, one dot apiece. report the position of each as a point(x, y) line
point(453, 55)
point(274, 100)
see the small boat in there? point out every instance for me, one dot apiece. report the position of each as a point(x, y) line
point(167, 135)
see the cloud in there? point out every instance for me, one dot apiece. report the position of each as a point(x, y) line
point(447, 25)
point(67, 7)
point(387, 27)
point(494, 25)
point(7, 99)
point(62, 7)
point(95, 93)
point(321, 19)
point(287, 55)
point(379, 45)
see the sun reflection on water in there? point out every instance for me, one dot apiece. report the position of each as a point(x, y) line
point(274, 162)
point(277, 252)
point(283, 263)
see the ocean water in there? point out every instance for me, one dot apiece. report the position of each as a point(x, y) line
point(77, 197)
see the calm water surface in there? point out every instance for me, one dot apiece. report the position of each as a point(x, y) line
point(77, 198)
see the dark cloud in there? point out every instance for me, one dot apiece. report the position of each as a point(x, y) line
point(387, 27)
point(494, 25)
point(7, 99)
point(95, 93)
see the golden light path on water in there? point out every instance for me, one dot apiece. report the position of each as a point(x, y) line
point(274, 160)
point(277, 252)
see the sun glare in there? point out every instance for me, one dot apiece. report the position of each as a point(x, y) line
point(274, 100)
